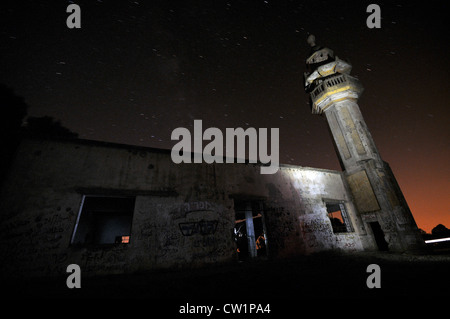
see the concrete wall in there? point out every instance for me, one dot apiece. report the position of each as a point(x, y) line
point(42, 199)
point(375, 191)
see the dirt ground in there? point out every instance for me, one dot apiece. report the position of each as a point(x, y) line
point(322, 275)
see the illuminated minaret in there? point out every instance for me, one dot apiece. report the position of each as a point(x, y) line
point(334, 93)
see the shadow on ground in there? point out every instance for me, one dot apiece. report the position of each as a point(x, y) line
point(321, 275)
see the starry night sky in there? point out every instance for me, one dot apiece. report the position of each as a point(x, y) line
point(136, 70)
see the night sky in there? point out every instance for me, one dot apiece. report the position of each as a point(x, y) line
point(136, 70)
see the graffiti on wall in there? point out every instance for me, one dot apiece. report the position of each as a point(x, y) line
point(203, 227)
point(182, 210)
point(318, 235)
point(182, 232)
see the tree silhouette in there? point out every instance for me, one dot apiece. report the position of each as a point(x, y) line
point(441, 231)
point(47, 126)
point(13, 110)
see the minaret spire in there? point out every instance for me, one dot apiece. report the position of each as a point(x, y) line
point(334, 93)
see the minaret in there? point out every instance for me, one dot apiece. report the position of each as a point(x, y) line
point(382, 208)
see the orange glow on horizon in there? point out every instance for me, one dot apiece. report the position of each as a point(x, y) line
point(426, 190)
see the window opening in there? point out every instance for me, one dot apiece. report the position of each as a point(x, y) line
point(104, 220)
point(339, 218)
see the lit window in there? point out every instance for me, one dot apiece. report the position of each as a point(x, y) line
point(104, 220)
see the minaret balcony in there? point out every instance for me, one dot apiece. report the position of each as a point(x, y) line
point(333, 89)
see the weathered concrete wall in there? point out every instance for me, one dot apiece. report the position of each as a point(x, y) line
point(387, 206)
point(42, 199)
point(375, 191)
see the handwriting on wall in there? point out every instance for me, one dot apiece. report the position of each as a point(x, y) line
point(194, 206)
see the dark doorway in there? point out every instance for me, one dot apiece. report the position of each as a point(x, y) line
point(379, 236)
